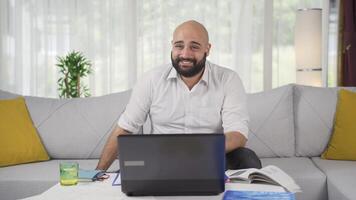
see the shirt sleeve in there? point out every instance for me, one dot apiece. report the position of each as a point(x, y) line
point(234, 111)
point(137, 109)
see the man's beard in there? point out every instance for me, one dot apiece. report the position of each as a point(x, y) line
point(192, 71)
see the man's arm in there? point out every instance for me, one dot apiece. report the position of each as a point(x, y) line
point(110, 152)
point(234, 113)
point(234, 140)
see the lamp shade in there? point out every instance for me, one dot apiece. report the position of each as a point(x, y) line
point(308, 38)
point(308, 34)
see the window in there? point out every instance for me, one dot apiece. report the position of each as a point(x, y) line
point(125, 38)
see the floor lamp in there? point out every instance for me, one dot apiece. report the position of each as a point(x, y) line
point(308, 46)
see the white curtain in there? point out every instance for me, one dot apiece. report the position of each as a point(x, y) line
point(122, 38)
point(35, 32)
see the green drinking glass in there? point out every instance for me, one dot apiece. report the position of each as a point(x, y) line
point(68, 173)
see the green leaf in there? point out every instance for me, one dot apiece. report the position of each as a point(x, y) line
point(72, 67)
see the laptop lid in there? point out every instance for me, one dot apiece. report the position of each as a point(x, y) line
point(172, 164)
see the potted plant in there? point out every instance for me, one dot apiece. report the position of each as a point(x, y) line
point(72, 68)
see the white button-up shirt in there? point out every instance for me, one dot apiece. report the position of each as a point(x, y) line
point(216, 104)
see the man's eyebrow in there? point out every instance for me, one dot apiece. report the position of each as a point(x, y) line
point(197, 43)
point(178, 42)
point(181, 42)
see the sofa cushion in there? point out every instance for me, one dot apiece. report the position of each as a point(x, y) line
point(342, 144)
point(31, 179)
point(340, 177)
point(19, 140)
point(79, 127)
point(271, 126)
point(314, 110)
point(311, 180)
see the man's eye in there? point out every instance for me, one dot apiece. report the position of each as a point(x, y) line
point(195, 47)
point(179, 46)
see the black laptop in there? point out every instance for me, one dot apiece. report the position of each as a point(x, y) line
point(172, 164)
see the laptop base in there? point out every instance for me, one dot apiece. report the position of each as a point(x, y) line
point(173, 188)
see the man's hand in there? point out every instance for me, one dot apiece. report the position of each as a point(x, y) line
point(233, 140)
point(109, 152)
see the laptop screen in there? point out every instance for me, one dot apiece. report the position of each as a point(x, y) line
point(197, 160)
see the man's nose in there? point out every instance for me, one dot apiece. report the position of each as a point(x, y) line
point(186, 53)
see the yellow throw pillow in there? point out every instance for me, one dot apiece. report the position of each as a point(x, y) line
point(342, 145)
point(19, 141)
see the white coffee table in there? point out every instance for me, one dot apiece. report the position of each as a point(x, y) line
point(105, 191)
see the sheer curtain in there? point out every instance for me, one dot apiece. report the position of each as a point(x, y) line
point(34, 32)
point(122, 38)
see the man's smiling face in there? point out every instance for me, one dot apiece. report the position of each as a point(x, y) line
point(190, 47)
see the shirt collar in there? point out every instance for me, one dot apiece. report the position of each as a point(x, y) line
point(205, 78)
point(172, 74)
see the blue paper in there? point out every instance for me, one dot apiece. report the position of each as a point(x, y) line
point(256, 195)
point(89, 174)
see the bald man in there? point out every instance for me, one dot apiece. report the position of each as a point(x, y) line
point(189, 95)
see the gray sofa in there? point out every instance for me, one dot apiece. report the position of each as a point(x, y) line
point(290, 127)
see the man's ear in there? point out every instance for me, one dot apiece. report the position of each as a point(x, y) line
point(208, 49)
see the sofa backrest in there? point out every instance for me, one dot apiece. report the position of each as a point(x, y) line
point(7, 95)
point(314, 110)
point(79, 127)
point(271, 127)
point(291, 120)
point(74, 128)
